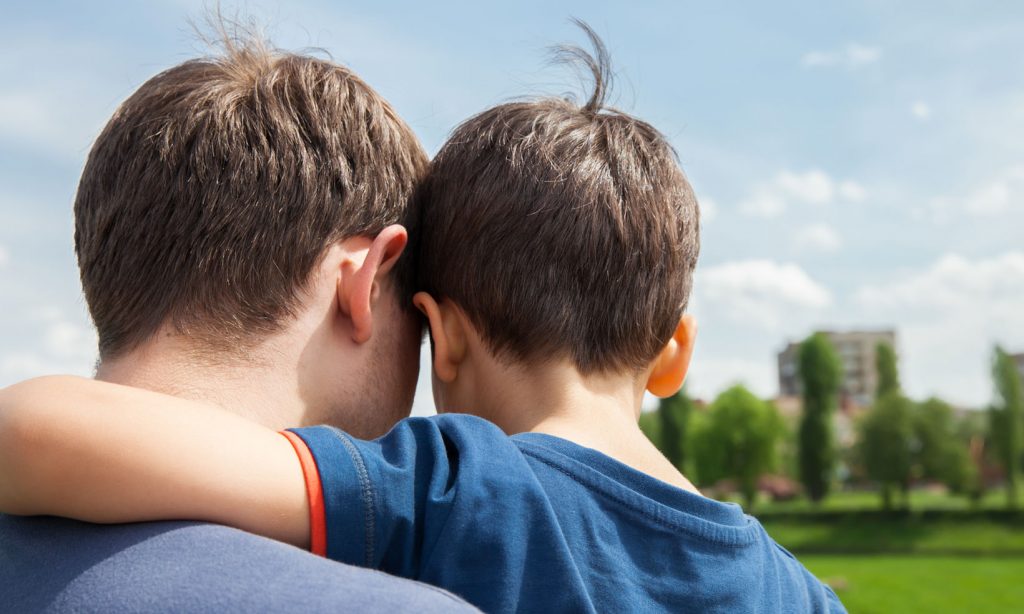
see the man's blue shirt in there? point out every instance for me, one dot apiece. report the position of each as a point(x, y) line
point(535, 523)
point(58, 565)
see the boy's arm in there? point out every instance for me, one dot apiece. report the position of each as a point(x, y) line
point(106, 453)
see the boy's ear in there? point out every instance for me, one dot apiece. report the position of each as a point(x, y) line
point(363, 270)
point(672, 364)
point(447, 334)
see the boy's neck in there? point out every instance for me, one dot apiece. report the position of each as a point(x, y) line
point(522, 398)
point(598, 411)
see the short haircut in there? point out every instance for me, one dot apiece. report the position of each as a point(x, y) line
point(562, 231)
point(214, 190)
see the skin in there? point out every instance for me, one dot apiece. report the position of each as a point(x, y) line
point(322, 368)
point(327, 365)
point(599, 411)
point(97, 460)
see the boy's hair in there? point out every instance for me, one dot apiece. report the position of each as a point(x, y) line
point(215, 189)
point(562, 230)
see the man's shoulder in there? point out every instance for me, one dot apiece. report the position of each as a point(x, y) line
point(50, 564)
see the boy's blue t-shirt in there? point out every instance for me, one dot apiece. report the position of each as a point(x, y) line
point(535, 523)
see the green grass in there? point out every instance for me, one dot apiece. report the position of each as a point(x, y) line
point(944, 556)
point(906, 584)
point(844, 501)
point(864, 534)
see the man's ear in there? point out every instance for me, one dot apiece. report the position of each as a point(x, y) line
point(447, 335)
point(672, 364)
point(359, 284)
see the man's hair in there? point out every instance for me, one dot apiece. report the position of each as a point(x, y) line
point(213, 192)
point(562, 231)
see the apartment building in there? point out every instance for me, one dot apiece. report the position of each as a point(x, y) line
point(856, 350)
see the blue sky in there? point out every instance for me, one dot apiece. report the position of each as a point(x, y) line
point(859, 164)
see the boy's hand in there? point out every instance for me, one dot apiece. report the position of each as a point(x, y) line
point(106, 453)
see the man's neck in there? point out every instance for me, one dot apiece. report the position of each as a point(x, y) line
point(247, 386)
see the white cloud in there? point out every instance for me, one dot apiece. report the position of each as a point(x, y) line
point(949, 315)
point(56, 107)
point(921, 110)
point(853, 55)
point(17, 366)
point(708, 209)
point(989, 199)
point(4, 256)
point(812, 187)
point(21, 365)
point(55, 345)
point(818, 237)
point(852, 191)
point(29, 116)
point(1000, 194)
point(746, 309)
point(38, 116)
point(954, 282)
point(67, 340)
point(859, 55)
point(819, 58)
point(711, 375)
point(764, 202)
point(758, 292)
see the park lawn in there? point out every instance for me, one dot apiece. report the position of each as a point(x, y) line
point(920, 499)
point(884, 583)
point(855, 534)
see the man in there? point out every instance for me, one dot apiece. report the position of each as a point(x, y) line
point(238, 231)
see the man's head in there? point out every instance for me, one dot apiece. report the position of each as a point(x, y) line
point(214, 196)
point(562, 232)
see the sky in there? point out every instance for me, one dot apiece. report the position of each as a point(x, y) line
point(859, 165)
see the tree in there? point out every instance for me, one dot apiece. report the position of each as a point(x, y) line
point(888, 373)
point(674, 417)
point(938, 450)
point(667, 427)
point(651, 427)
point(885, 444)
point(974, 432)
point(707, 461)
point(820, 373)
point(737, 439)
point(1006, 420)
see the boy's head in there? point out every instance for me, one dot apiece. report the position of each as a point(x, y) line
point(562, 231)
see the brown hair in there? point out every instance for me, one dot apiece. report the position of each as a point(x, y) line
point(562, 230)
point(215, 189)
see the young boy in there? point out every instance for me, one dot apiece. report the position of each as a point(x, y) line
point(556, 254)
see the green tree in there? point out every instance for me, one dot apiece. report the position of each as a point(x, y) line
point(1006, 416)
point(674, 417)
point(651, 426)
point(939, 452)
point(707, 461)
point(821, 374)
point(667, 427)
point(737, 439)
point(973, 431)
point(888, 373)
point(888, 434)
point(885, 444)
